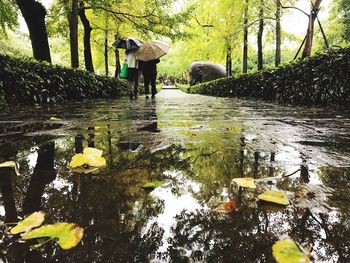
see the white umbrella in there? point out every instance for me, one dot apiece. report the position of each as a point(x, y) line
point(152, 50)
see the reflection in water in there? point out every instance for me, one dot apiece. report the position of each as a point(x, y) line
point(197, 145)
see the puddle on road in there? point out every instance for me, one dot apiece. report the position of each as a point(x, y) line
point(198, 145)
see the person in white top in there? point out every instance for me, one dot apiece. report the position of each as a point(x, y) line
point(133, 72)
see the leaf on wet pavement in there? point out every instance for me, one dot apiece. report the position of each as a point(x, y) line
point(68, 234)
point(33, 220)
point(10, 164)
point(92, 151)
point(55, 119)
point(90, 156)
point(274, 197)
point(246, 182)
point(226, 208)
point(153, 184)
point(286, 251)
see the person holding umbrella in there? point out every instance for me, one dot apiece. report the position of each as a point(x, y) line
point(130, 45)
point(133, 72)
point(148, 55)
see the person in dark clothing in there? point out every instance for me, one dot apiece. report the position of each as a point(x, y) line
point(149, 72)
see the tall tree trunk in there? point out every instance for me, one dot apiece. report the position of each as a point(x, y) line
point(73, 33)
point(117, 63)
point(34, 14)
point(106, 52)
point(229, 60)
point(245, 39)
point(260, 36)
point(106, 45)
point(310, 30)
point(278, 34)
point(87, 38)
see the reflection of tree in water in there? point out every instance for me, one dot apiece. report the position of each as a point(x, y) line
point(239, 238)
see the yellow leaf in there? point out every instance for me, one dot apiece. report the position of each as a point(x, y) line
point(286, 251)
point(92, 151)
point(33, 220)
point(55, 119)
point(68, 234)
point(274, 197)
point(94, 160)
point(245, 182)
point(10, 164)
point(78, 160)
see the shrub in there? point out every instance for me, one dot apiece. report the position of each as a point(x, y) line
point(320, 80)
point(28, 82)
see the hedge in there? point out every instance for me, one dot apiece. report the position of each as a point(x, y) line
point(321, 80)
point(28, 82)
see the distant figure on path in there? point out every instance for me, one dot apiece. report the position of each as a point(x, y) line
point(133, 72)
point(149, 72)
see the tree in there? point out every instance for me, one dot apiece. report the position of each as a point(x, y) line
point(260, 36)
point(315, 7)
point(278, 33)
point(245, 38)
point(87, 38)
point(34, 14)
point(71, 7)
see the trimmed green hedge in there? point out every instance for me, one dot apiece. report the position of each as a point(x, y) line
point(320, 80)
point(28, 82)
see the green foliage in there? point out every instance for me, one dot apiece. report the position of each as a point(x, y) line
point(8, 15)
point(29, 82)
point(320, 80)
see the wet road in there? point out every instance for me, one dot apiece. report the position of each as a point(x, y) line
point(198, 144)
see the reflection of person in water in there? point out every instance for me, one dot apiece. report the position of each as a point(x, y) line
point(150, 117)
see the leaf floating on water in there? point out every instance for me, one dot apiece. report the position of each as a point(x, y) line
point(55, 119)
point(92, 151)
point(274, 197)
point(286, 251)
point(10, 164)
point(90, 156)
point(33, 220)
point(245, 182)
point(153, 184)
point(68, 234)
point(226, 208)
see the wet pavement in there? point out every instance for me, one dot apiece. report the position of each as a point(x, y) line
point(198, 145)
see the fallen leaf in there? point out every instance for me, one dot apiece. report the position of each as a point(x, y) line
point(10, 164)
point(245, 182)
point(153, 184)
point(33, 220)
point(226, 208)
point(90, 156)
point(68, 234)
point(55, 119)
point(92, 151)
point(274, 197)
point(78, 160)
point(286, 251)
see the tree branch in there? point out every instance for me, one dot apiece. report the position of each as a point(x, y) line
point(293, 7)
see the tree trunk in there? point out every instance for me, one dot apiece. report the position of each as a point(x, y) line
point(260, 36)
point(310, 30)
point(34, 14)
point(229, 60)
point(106, 52)
point(278, 34)
point(87, 38)
point(73, 33)
point(117, 63)
point(245, 39)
